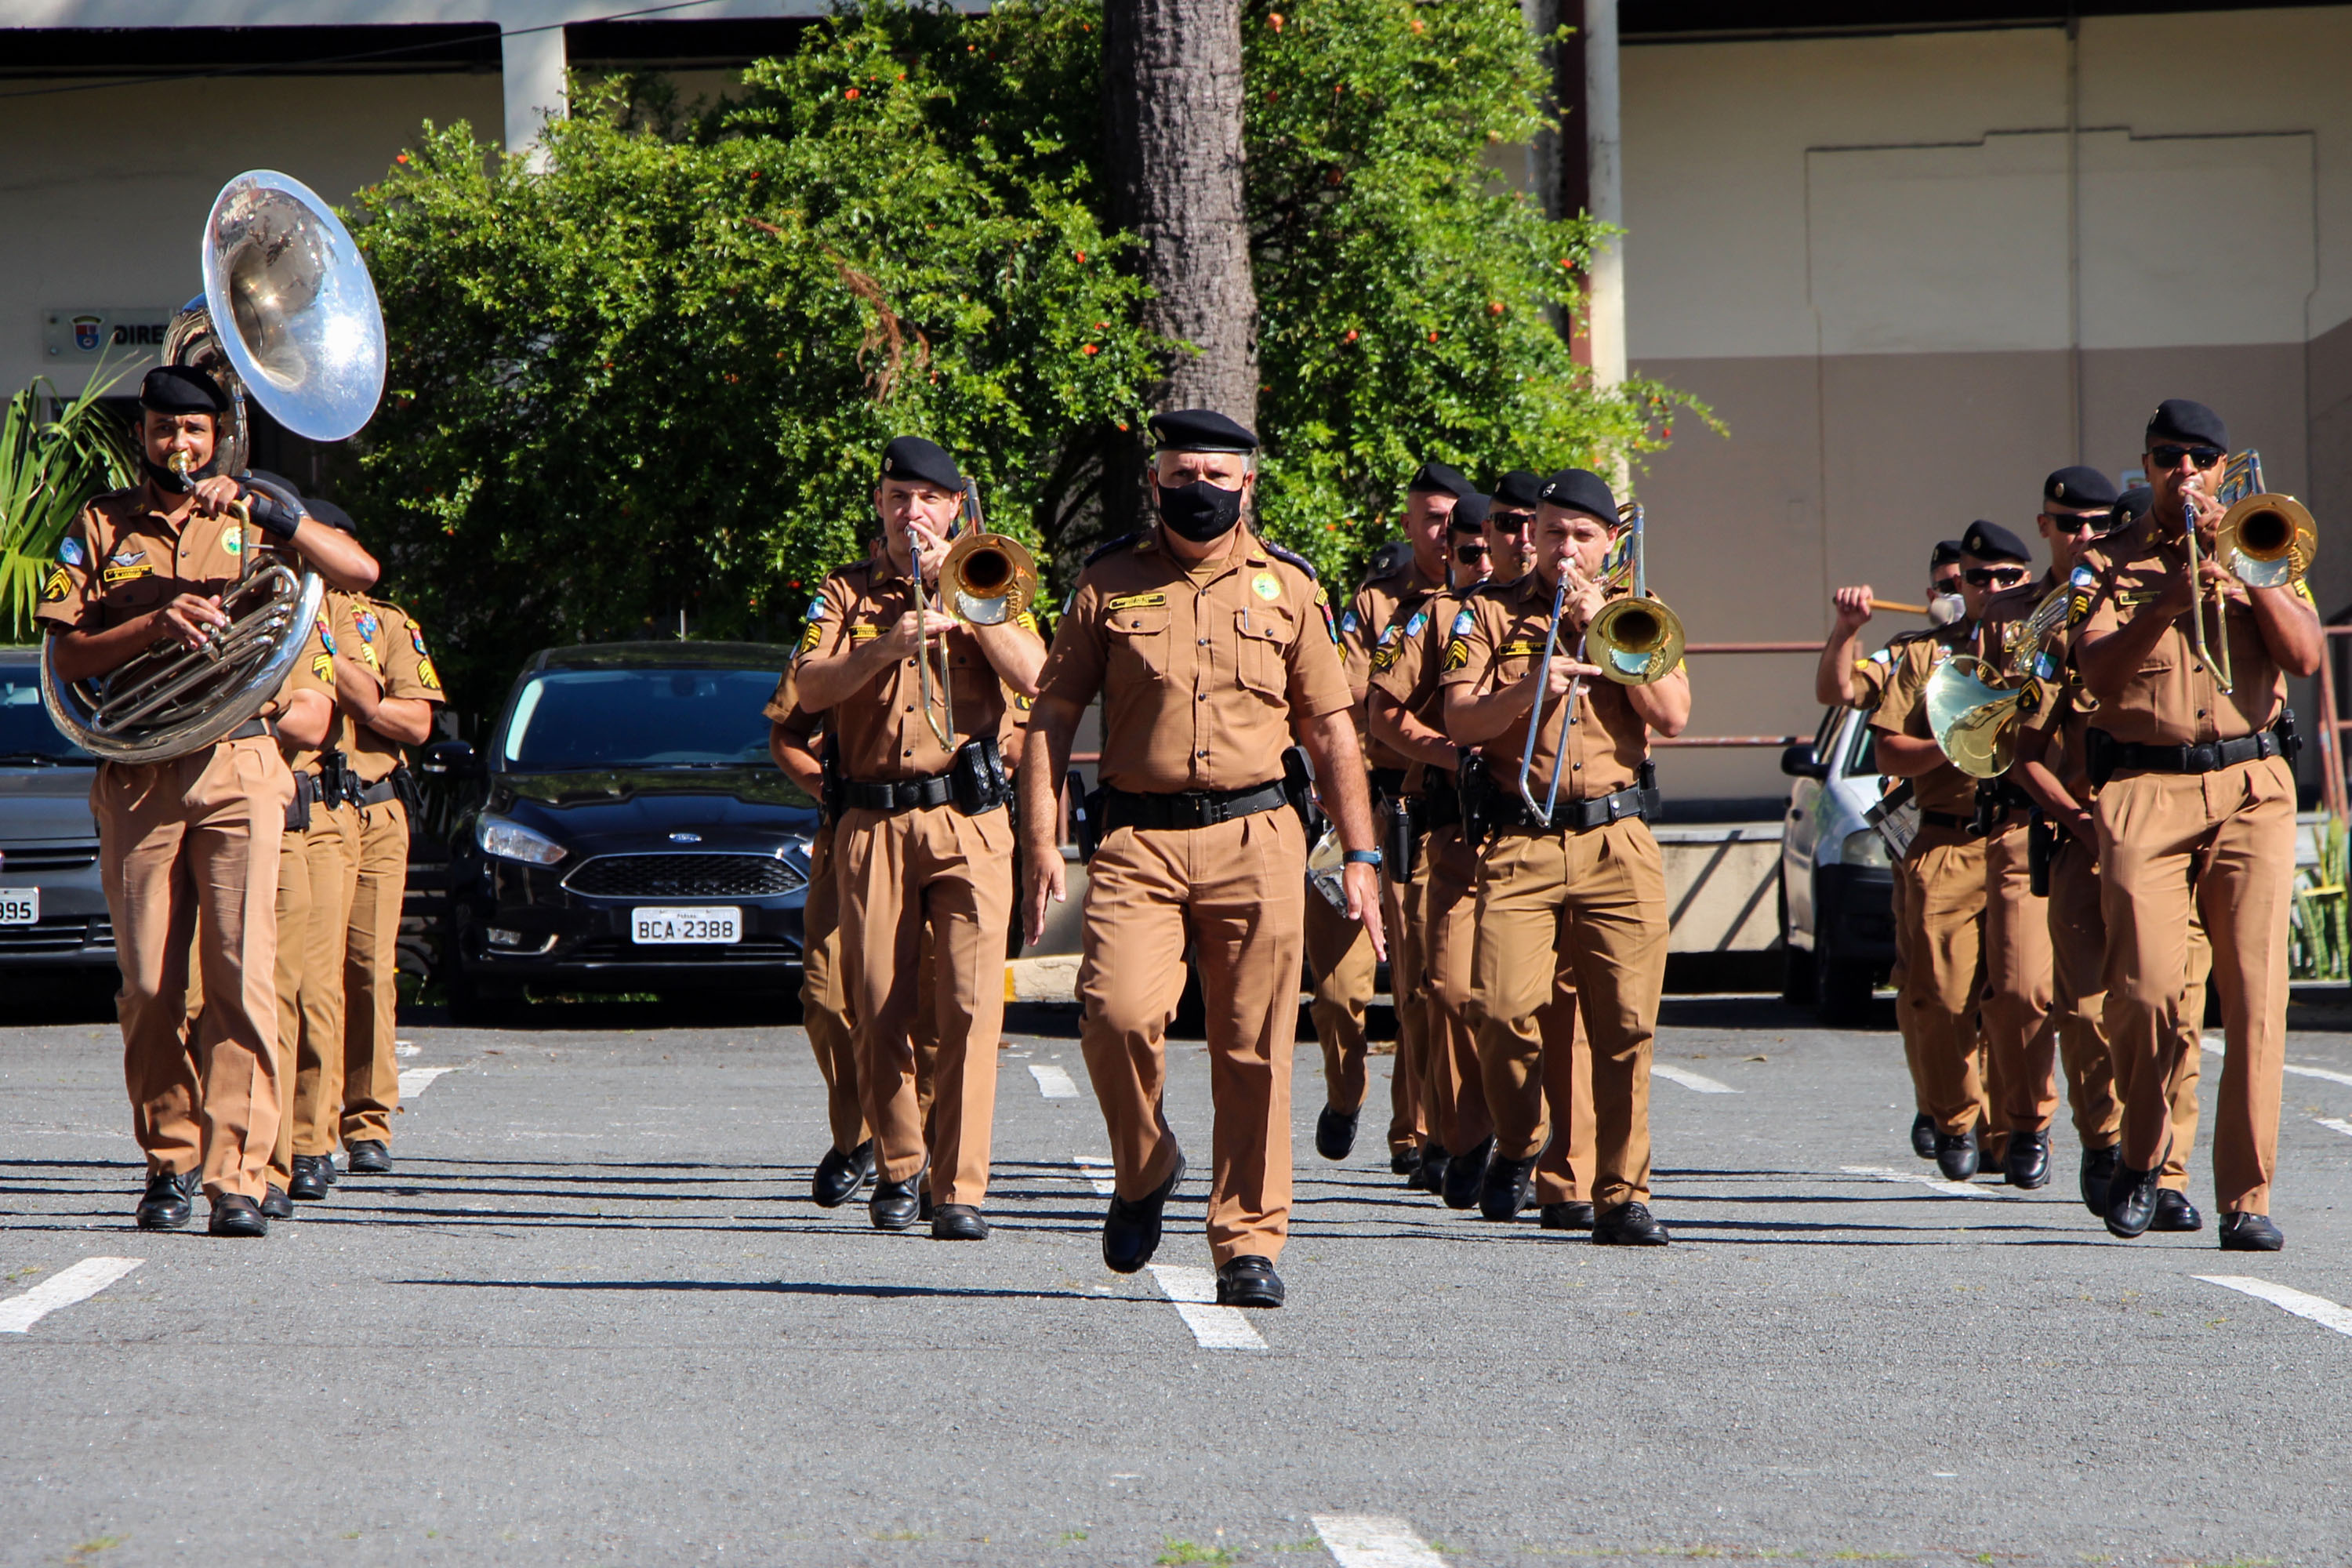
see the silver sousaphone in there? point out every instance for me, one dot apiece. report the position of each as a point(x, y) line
point(305, 336)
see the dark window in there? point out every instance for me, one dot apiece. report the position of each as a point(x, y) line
point(639, 718)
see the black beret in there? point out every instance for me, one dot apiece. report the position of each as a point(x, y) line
point(1946, 552)
point(333, 516)
point(2131, 506)
point(2192, 424)
point(1201, 430)
point(912, 458)
point(1437, 479)
point(1991, 541)
point(1470, 515)
point(1519, 488)
point(177, 389)
point(2078, 489)
point(1581, 490)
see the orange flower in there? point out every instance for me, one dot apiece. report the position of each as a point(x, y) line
point(851, 93)
point(1351, 335)
point(1432, 337)
point(401, 159)
point(1273, 20)
point(1494, 307)
point(1090, 348)
point(1082, 258)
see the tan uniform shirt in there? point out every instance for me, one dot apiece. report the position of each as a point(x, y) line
point(1406, 663)
point(1382, 605)
point(784, 710)
point(880, 728)
point(2172, 700)
point(1200, 670)
point(120, 559)
point(331, 635)
point(1904, 712)
point(391, 649)
point(1872, 674)
point(1496, 638)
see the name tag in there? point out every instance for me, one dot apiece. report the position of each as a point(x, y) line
point(1138, 602)
point(114, 575)
point(1527, 647)
point(864, 634)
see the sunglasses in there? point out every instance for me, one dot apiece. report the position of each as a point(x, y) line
point(1994, 577)
point(2168, 457)
point(1470, 555)
point(1950, 585)
point(2077, 521)
point(1509, 522)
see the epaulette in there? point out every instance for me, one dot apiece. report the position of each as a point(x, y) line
point(1125, 542)
point(1296, 559)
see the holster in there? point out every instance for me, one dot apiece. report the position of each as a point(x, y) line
point(1298, 788)
point(976, 779)
point(2041, 848)
point(2098, 756)
point(298, 810)
point(337, 783)
point(412, 798)
point(1476, 787)
point(1086, 813)
point(829, 800)
point(1403, 848)
point(2290, 739)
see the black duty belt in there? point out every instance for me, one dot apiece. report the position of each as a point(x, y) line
point(1442, 806)
point(1952, 820)
point(2211, 757)
point(1193, 808)
point(376, 794)
point(1635, 803)
point(907, 794)
point(1388, 783)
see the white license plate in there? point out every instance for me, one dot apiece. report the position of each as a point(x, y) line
point(660, 925)
point(19, 906)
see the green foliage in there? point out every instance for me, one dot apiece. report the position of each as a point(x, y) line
point(48, 472)
point(2319, 930)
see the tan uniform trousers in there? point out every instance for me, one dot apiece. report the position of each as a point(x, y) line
point(188, 849)
point(832, 1023)
point(2223, 844)
point(372, 975)
point(1342, 972)
point(1400, 917)
point(1234, 890)
point(317, 870)
point(1597, 898)
point(1942, 904)
point(903, 874)
point(2078, 933)
point(2018, 981)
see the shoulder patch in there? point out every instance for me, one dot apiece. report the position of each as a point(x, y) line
point(69, 551)
point(1463, 621)
point(1126, 542)
point(1296, 559)
point(816, 608)
point(1349, 623)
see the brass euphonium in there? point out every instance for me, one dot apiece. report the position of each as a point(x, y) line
point(1972, 715)
point(2266, 540)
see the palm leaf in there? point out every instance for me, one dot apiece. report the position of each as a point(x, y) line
point(48, 472)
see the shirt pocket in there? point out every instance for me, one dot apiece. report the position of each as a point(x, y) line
point(135, 595)
point(1262, 650)
point(1141, 643)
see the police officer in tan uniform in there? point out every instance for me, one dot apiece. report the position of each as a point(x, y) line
point(390, 688)
point(2195, 808)
point(1587, 887)
point(188, 846)
point(925, 841)
point(1206, 645)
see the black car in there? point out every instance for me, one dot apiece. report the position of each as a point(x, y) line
point(52, 904)
point(626, 829)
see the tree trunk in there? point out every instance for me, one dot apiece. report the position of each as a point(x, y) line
point(1173, 152)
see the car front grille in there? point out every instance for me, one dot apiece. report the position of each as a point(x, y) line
point(19, 859)
point(58, 935)
point(684, 877)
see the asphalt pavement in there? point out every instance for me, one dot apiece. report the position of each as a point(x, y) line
point(593, 1317)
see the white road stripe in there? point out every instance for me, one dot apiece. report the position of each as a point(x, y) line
point(1370, 1541)
point(415, 1081)
point(78, 1283)
point(2219, 1047)
point(2319, 1309)
point(2335, 1124)
point(1053, 1082)
point(1089, 1165)
point(1953, 1189)
point(1195, 1291)
point(1689, 1079)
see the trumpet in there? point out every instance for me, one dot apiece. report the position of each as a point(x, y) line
point(1972, 715)
point(985, 580)
point(2266, 540)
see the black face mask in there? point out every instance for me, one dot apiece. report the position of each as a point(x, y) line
point(172, 484)
point(1199, 512)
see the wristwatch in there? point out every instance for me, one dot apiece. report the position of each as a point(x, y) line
point(1362, 858)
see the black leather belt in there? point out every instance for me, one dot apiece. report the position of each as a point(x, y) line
point(2211, 757)
point(1953, 821)
point(1193, 808)
point(1579, 816)
point(1388, 783)
point(376, 794)
point(907, 794)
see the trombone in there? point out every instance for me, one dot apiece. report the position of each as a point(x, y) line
point(985, 580)
point(2265, 540)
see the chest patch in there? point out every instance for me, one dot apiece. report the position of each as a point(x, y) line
point(1136, 602)
point(233, 542)
point(1523, 648)
point(114, 575)
point(1268, 587)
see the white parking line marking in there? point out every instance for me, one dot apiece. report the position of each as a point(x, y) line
point(2319, 1309)
point(1053, 1082)
point(1195, 1291)
point(78, 1283)
point(406, 1047)
point(1689, 1079)
point(2218, 1046)
point(2335, 1124)
point(1089, 1165)
point(415, 1081)
point(1953, 1189)
point(1370, 1541)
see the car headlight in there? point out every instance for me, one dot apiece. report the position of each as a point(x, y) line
point(513, 841)
point(1865, 850)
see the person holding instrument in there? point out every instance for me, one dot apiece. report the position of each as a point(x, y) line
point(914, 699)
point(2195, 808)
point(1208, 646)
point(188, 844)
point(1585, 891)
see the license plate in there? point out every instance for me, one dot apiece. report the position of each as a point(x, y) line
point(19, 906)
point(657, 925)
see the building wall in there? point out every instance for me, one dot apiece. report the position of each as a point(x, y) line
point(1912, 274)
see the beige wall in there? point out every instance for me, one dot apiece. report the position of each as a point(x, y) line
point(1911, 291)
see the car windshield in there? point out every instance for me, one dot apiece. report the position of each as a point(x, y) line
point(27, 736)
point(581, 719)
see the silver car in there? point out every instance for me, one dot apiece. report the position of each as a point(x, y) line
point(52, 904)
point(1837, 879)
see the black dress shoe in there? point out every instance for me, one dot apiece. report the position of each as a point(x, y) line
point(896, 1205)
point(1434, 1165)
point(2131, 1202)
point(2026, 1162)
point(1505, 1192)
point(957, 1222)
point(1923, 1136)
point(1131, 1230)
point(236, 1216)
point(368, 1157)
point(2174, 1211)
point(923, 1204)
point(2099, 1174)
point(169, 1201)
point(275, 1203)
point(313, 1174)
point(2250, 1233)
point(839, 1176)
point(1249, 1281)
point(1628, 1225)
point(1405, 1162)
point(1335, 1133)
point(1465, 1176)
point(1956, 1154)
point(1566, 1216)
